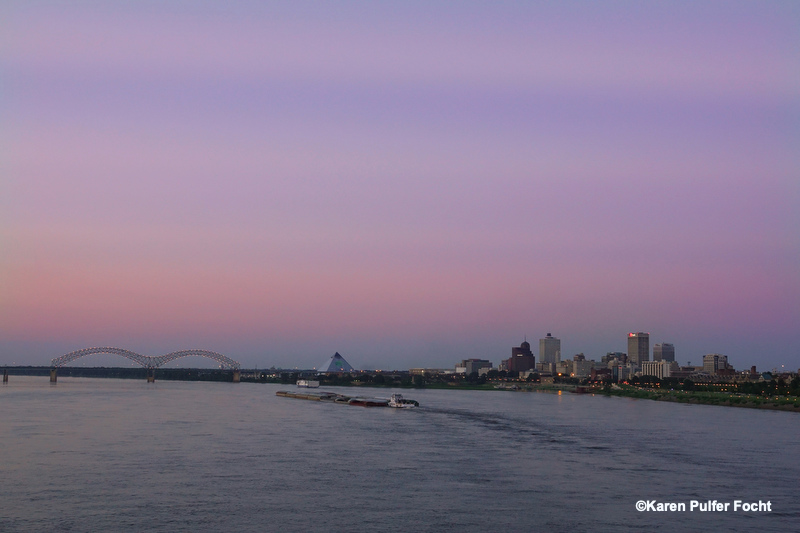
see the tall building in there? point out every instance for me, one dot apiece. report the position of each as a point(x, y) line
point(638, 348)
point(522, 358)
point(714, 362)
point(664, 352)
point(549, 349)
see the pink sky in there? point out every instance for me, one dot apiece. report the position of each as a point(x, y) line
point(407, 184)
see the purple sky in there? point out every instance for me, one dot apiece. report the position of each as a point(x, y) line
point(409, 184)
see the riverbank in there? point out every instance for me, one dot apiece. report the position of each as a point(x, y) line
point(777, 403)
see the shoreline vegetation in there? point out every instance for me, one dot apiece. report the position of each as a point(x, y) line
point(727, 399)
point(773, 395)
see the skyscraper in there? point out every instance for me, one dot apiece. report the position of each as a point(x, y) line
point(714, 362)
point(638, 347)
point(663, 352)
point(522, 358)
point(549, 349)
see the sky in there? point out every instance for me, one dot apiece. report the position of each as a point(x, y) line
point(407, 183)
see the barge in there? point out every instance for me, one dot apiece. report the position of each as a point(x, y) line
point(324, 396)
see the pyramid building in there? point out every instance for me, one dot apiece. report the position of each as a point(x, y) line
point(335, 363)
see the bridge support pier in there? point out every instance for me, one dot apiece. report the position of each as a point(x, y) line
point(151, 375)
point(237, 375)
point(5, 375)
point(53, 375)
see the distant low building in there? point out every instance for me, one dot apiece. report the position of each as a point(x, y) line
point(620, 357)
point(622, 372)
point(581, 368)
point(546, 368)
point(564, 368)
point(428, 371)
point(474, 365)
point(601, 374)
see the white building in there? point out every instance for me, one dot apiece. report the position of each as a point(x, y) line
point(549, 349)
point(659, 369)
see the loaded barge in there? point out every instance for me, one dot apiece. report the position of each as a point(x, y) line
point(348, 400)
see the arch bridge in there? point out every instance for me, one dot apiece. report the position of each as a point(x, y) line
point(149, 362)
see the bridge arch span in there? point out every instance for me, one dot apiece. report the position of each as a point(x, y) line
point(144, 360)
point(218, 357)
point(77, 354)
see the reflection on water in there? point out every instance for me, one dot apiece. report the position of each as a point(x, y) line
point(90, 454)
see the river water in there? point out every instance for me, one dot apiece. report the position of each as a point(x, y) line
point(124, 455)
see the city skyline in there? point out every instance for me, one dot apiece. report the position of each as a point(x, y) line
point(408, 185)
point(549, 352)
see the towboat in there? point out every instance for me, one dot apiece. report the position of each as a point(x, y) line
point(308, 383)
point(398, 401)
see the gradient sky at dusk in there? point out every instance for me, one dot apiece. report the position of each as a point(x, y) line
point(408, 183)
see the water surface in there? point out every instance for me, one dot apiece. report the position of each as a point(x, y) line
point(124, 455)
